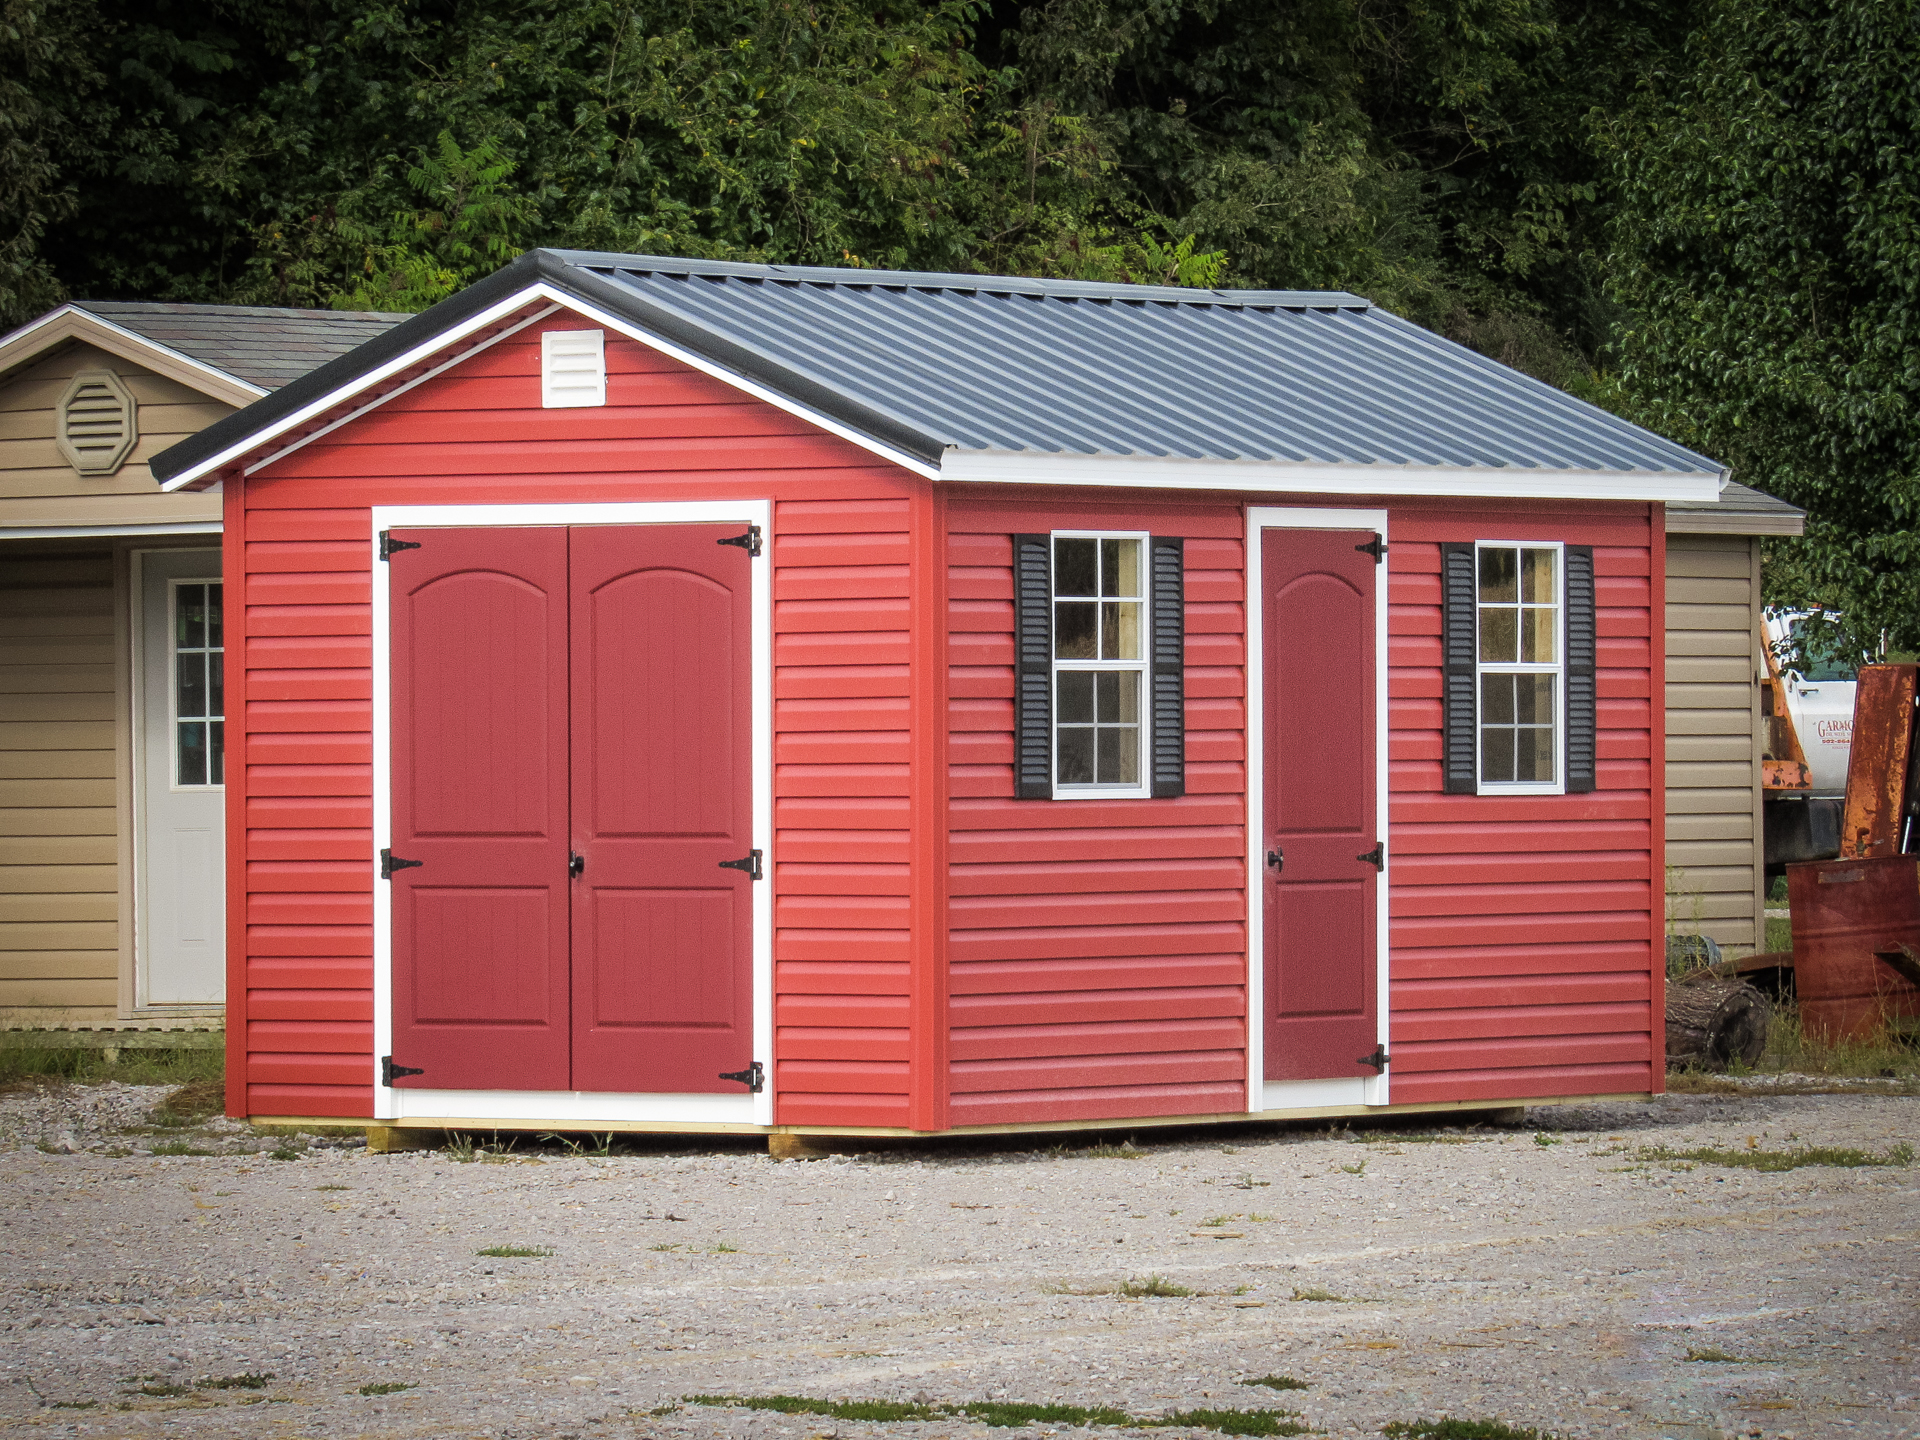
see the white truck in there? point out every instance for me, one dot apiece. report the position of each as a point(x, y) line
point(1818, 696)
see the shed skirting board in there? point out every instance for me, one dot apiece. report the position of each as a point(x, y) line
point(1036, 1127)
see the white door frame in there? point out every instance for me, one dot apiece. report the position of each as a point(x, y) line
point(1264, 1094)
point(137, 762)
point(575, 1106)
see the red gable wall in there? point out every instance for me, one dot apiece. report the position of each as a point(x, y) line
point(300, 891)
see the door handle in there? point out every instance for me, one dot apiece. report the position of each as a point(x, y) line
point(575, 864)
point(1276, 860)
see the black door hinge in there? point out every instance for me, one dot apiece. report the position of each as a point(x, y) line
point(576, 863)
point(388, 544)
point(749, 542)
point(1276, 859)
point(390, 1072)
point(1376, 857)
point(1376, 547)
point(753, 1077)
point(390, 862)
point(1378, 1059)
point(750, 862)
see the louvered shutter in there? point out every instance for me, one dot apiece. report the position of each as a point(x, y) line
point(1168, 710)
point(1580, 669)
point(1458, 708)
point(1033, 667)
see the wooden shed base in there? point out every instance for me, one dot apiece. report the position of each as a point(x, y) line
point(402, 1134)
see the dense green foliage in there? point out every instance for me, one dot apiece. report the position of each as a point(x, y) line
point(1697, 212)
point(1767, 256)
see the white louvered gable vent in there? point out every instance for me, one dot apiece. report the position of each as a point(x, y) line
point(97, 423)
point(573, 368)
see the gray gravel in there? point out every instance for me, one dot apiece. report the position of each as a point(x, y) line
point(1546, 1275)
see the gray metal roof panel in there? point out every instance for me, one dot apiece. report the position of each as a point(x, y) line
point(1048, 367)
point(261, 345)
point(996, 366)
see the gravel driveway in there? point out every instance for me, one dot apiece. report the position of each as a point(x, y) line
point(1556, 1277)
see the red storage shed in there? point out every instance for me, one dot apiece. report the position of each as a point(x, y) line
point(678, 695)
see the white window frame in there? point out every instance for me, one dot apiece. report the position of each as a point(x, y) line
point(1558, 669)
point(174, 717)
point(1143, 667)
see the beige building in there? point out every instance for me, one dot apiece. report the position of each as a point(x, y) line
point(1716, 881)
point(111, 726)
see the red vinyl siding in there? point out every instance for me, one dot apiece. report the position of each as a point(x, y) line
point(298, 540)
point(1521, 961)
point(1097, 947)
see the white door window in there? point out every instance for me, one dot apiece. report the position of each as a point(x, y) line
point(179, 891)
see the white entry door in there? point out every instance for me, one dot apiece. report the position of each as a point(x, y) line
point(180, 889)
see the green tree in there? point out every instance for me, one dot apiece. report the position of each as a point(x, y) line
point(1766, 251)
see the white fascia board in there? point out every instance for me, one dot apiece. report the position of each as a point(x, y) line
point(423, 352)
point(1024, 468)
point(54, 532)
point(20, 341)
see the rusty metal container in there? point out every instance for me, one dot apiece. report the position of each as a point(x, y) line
point(1847, 914)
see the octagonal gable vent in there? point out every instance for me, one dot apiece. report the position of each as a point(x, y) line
point(97, 425)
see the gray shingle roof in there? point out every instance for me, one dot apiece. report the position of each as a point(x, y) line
point(950, 367)
point(261, 346)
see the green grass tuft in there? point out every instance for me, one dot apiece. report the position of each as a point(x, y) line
point(516, 1252)
point(166, 1389)
point(1773, 1161)
point(252, 1380)
point(1008, 1414)
point(1314, 1292)
point(1277, 1382)
point(1715, 1356)
point(387, 1387)
point(1448, 1429)
point(1154, 1285)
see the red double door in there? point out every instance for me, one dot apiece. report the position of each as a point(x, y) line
point(1322, 869)
point(571, 762)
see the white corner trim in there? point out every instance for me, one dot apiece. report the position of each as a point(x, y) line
point(1263, 1094)
point(561, 1106)
point(260, 439)
point(1023, 468)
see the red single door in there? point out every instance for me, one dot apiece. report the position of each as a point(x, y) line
point(479, 741)
point(662, 801)
point(1321, 1001)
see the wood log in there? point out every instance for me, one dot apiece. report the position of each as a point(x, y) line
point(1714, 1022)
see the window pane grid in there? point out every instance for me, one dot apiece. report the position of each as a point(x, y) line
point(1519, 653)
point(199, 701)
point(1099, 659)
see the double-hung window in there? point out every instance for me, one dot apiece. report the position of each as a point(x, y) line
point(1520, 634)
point(1100, 625)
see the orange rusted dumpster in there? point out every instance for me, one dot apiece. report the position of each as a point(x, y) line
point(1847, 915)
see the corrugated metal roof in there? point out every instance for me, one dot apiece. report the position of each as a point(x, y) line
point(950, 369)
point(977, 363)
point(262, 346)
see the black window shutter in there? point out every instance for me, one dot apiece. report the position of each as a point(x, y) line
point(1458, 707)
point(1033, 667)
point(1169, 665)
point(1581, 719)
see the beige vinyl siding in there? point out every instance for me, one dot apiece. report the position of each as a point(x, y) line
point(31, 466)
point(59, 821)
point(1714, 855)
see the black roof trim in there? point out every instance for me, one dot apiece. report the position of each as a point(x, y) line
point(562, 271)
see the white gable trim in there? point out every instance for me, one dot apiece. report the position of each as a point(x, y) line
point(239, 452)
point(1024, 468)
point(71, 322)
